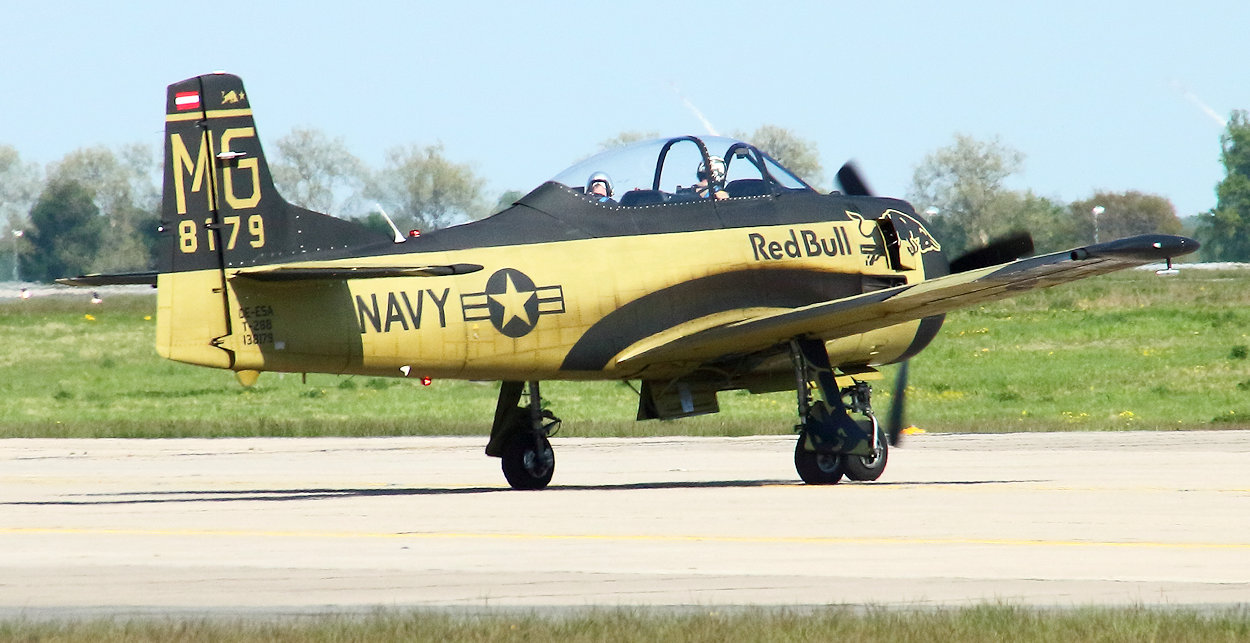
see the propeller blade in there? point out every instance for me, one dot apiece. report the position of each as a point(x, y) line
point(1001, 250)
point(894, 424)
point(850, 180)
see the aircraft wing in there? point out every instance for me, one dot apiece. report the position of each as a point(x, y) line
point(882, 308)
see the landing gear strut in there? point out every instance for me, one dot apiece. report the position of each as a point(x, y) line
point(519, 437)
point(831, 444)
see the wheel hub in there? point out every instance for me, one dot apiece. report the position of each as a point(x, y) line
point(537, 463)
point(828, 463)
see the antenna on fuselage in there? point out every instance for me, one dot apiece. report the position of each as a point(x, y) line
point(399, 238)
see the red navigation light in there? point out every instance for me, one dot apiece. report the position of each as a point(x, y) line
point(426, 380)
point(414, 233)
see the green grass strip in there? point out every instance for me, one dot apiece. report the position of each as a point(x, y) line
point(989, 623)
point(1125, 351)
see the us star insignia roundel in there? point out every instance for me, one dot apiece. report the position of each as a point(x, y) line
point(512, 302)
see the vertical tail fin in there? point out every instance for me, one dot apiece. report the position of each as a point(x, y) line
point(220, 211)
point(220, 208)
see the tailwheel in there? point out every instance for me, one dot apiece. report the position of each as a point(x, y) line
point(866, 468)
point(528, 460)
point(818, 468)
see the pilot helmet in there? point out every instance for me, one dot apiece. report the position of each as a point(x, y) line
point(599, 177)
point(718, 169)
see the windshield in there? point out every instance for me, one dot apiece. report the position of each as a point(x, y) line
point(675, 166)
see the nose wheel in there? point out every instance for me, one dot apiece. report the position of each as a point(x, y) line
point(831, 445)
point(866, 468)
point(818, 468)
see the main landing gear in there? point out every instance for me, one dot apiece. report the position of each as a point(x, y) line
point(831, 444)
point(519, 437)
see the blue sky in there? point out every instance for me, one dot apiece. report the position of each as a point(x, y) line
point(1107, 95)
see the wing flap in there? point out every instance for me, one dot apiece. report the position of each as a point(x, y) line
point(882, 308)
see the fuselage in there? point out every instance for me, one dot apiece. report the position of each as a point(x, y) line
point(561, 285)
point(568, 283)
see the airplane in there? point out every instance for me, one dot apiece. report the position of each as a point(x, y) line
point(692, 265)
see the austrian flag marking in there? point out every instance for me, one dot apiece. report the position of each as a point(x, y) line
point(187, 100)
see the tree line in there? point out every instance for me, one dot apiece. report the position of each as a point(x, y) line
point(97, 209)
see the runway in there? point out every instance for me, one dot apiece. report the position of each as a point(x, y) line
point(308, 525)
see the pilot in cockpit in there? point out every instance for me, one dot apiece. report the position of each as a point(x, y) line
point(599, 187)
point(707, 179)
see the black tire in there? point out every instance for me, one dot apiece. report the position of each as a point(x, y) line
point(818, 468)
point(868, 468)
point(528, 461)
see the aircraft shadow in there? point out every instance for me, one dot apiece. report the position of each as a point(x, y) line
point(287, 495)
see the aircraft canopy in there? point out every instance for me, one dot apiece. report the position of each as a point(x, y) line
point(672, 165)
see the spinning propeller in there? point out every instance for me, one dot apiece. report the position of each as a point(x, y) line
point(894, 422)
point(850, 180)
point(999, 250)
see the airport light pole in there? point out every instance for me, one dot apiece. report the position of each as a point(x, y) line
point(17, 234)
point(1096, 211)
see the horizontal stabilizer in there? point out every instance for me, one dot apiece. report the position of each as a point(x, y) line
point(119, 279)
point(309, 272)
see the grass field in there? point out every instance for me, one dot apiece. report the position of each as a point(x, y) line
point(1124, 351)
point(973, 624)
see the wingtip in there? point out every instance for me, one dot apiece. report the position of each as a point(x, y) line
point(1146, 247)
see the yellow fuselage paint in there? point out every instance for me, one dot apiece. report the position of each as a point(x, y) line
point(442, 326)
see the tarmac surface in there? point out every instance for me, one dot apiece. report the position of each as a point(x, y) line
point(323, 525)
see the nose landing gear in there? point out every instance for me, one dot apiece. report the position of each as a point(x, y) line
point(831, 444)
